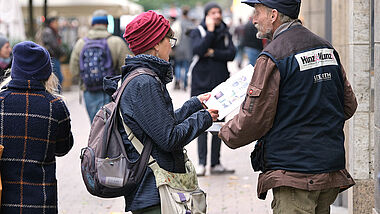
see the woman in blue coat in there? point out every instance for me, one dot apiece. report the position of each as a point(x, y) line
point(35, 128)
point(147, 108)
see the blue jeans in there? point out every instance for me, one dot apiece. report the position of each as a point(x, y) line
point(94, 100)
point(57, 69)
point(178, 71)
point(252, 54)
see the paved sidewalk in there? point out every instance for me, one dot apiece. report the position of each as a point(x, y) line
point(225, 193)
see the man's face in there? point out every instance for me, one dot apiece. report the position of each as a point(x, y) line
point(262, 21)
point(216, 15)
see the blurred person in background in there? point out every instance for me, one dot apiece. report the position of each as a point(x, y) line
point(5, 56)
point(51, 40)
point(239, 33)
point(95, 97)
point(35, 128)
point(212, 43)
point(252, 45)
point(183, 49)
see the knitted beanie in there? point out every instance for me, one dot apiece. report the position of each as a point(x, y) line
point(99, 17)
point(145, 31)
point(211, 5)
point(30, 62)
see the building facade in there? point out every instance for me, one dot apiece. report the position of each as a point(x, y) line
point(353, 27)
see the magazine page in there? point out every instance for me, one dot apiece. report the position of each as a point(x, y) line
point(229, 95)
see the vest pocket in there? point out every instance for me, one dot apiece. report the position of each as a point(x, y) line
point(252, 93)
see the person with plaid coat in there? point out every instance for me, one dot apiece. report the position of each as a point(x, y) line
point(34, 129)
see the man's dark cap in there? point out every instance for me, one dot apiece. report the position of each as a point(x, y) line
point(290, 8)
point(211, 5)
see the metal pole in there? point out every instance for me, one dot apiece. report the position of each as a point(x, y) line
point(328, 21)
point(45, 9)
point(31, 21)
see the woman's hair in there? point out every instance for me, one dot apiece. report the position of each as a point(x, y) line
point(170, 33)
point(51, 84)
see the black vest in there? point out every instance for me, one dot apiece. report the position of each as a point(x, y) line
point(307, 134)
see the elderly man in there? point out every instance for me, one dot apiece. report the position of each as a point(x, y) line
point(296, 106)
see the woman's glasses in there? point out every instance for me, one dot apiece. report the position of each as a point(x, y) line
point(172, 41)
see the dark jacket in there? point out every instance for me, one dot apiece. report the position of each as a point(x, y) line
point(211, 71)
point(309, 121)
point(3, 71)
point(35, 128)
point(147, 109)
point(249, 37)
point(52, 42)
point(300, 98)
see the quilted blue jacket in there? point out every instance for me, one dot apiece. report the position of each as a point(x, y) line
point(147, 109)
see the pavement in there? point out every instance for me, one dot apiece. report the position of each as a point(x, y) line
point(232, 194)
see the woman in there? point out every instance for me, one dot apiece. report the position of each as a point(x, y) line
point(5, 56)
point(35, 127)
point(147, 108)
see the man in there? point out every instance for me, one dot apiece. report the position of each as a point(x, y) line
point(252, 45)
point(94, 96)
point(51, 40)
point(296, 104)
point(239, 34)
point(212, 43)
point(182, 51)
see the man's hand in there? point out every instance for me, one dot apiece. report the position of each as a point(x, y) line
point(214, 114)
point(210, 23)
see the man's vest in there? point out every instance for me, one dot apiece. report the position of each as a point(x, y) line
point(307, 133)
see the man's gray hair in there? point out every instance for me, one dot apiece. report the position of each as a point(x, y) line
point(283, 18)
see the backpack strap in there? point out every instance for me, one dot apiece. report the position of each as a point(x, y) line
point(112, 121)
point(117, 95)
point(196, 58)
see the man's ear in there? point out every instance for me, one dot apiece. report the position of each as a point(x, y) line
point(274, 15)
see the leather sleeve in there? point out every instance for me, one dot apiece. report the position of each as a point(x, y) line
point(256, 114)
point(350, 103)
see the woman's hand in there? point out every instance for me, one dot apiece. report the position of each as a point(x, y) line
point(204, 97)
point(214, 114)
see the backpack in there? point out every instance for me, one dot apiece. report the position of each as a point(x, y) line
point(106, 170)
point(95, 62)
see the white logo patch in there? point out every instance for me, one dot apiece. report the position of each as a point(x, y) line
point(316, 58)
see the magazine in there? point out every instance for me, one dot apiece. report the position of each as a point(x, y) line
point(229, 95)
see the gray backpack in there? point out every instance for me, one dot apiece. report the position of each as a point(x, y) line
point(106, 170)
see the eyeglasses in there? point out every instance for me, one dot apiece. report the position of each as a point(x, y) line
point(172, 41)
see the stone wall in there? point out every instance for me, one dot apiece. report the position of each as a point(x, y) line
point(351, 36)
point(361, 141)
point(377, 102)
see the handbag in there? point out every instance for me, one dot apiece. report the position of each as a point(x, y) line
point(1, 185)
point(179, 192)
point(257, 156)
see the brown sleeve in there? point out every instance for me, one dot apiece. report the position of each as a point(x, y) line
point(256, 114)
point(350, 103)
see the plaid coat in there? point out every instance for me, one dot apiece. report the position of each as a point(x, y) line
point(34, 128)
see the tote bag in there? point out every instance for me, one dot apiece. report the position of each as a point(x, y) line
point(179, 192)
